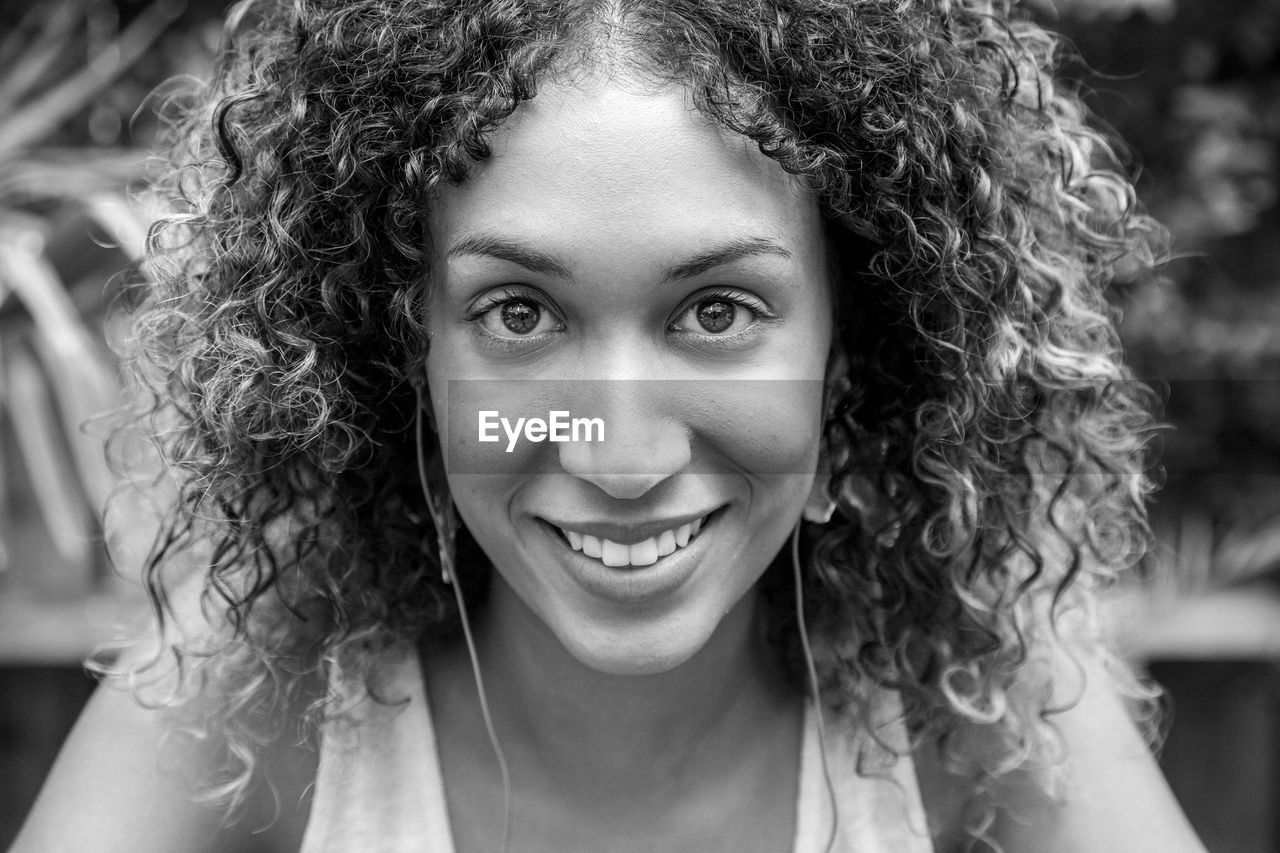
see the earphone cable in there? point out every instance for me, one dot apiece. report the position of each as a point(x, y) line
point(444, 533)
point(813, 685)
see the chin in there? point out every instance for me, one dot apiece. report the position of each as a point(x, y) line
point(653, 645)
point(637, 650)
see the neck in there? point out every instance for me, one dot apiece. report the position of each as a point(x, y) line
point(564, 722)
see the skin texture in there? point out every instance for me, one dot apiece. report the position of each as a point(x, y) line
point(620, 185)
point(597, 694)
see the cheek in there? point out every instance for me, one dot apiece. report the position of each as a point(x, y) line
point(478, 501)
point(763, 427)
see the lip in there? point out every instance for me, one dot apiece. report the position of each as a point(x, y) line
point(634, 584)
point(633, 532)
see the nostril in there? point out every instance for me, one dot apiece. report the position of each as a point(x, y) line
point(626, 486)
point(630, 461)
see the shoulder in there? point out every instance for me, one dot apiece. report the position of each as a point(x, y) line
point(1112, 795)
point(124, 782)
point(110, 790)
point(107, 791)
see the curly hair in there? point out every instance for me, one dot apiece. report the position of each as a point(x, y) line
point(982, 404)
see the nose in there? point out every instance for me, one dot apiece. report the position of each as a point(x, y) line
point(643, 444)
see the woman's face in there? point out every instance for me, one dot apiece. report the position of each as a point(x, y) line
point(622, 258)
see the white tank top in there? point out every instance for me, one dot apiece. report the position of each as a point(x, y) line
point(379, 787)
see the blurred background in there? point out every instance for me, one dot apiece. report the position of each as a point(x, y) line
point(1192, 86)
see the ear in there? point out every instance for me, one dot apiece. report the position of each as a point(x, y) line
point(835, 382)
point(820, 506)
point(418, 381)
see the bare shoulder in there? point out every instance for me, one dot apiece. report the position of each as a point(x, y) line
point(121, 782)
point(110, 790)
point(1114, 797)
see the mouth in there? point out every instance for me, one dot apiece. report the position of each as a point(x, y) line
point(645, 553)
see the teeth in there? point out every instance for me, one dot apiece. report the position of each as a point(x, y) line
point(644, 553)
point(666, 543)
point(615, 554)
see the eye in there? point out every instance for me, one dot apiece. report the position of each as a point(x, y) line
point(520, 317)
point(721, 314)
point(512, 315)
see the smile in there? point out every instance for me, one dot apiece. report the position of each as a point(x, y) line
point(644, 553)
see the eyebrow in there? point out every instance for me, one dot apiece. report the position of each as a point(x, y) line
point(512, 251)
point(521, 254)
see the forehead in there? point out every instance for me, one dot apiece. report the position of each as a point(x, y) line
point(624, 163)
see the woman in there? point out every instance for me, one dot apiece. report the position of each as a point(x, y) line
point(831, 279)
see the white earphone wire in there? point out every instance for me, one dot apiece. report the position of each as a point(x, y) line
point(813, 685)
point(445, 528)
